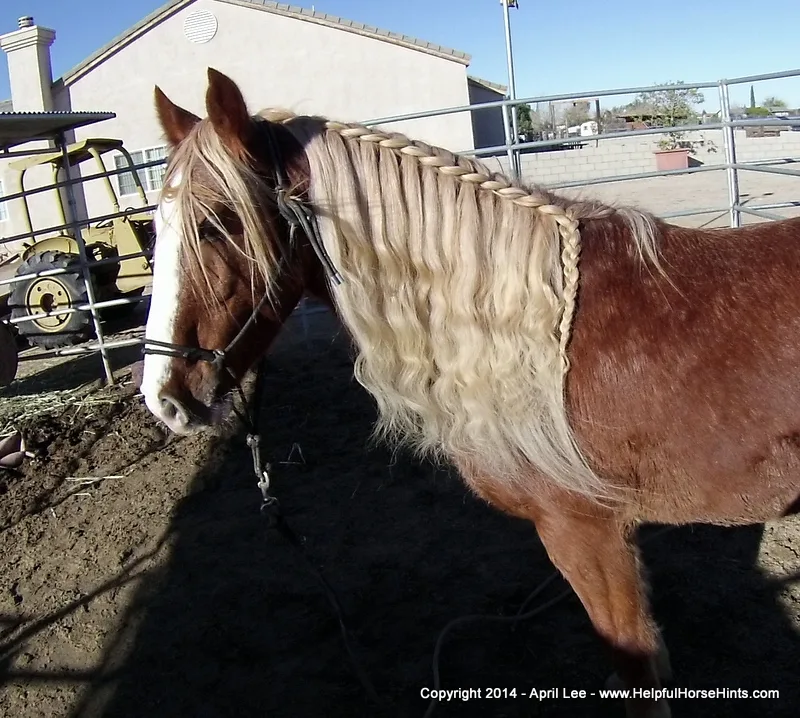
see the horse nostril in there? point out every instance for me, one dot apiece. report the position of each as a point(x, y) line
point(172, 411)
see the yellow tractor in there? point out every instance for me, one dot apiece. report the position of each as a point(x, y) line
point(132, 234)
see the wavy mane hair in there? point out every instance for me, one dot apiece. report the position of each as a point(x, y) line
point(459, 286)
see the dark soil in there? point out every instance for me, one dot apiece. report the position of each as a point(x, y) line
point(164, 594)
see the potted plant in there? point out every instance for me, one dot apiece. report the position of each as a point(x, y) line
point(673, 108)
point(673, 152)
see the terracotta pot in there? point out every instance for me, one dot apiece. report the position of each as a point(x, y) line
point(672, 159)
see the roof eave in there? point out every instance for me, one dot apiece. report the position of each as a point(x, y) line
point(488, 84)
point(358, 28)
point(296, 13)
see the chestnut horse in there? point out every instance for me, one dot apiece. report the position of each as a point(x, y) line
point(586, 367)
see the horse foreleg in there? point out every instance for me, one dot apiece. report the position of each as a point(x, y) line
point(601, 563)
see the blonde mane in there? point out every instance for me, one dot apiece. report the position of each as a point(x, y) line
point(459, 289)
point(202, 178)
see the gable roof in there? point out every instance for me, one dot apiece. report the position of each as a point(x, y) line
point(275, 8)
point(488, 84)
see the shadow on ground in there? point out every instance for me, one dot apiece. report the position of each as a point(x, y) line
point(39, 373)
point(72, 374)
point(234, 625)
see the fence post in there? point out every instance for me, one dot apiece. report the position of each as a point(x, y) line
point(512, 164)
point(729, 141)
point(84, 261)
point(513, 154)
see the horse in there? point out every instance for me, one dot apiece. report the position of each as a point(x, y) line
point(587, 367)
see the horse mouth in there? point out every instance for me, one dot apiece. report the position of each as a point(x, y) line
point(205, 416)
point(220, 410)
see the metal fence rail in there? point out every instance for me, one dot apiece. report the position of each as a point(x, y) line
point(512, 150)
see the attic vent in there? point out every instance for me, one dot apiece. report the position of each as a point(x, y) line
point(200, 26)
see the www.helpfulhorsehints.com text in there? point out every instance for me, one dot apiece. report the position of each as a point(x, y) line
point(445, 695)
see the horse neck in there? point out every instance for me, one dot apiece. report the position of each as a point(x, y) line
point(314, 280)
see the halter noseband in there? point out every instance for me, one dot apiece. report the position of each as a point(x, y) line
point(298, 215)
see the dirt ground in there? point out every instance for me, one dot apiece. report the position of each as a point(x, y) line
point(162, 593)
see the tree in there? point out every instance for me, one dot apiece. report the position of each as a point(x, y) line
point(774, 103)
point(530, 121)
point(610, 120)
point(752, 96)
point(672, 107)
point(576, 115)
point(524, 119)
point(541, 120)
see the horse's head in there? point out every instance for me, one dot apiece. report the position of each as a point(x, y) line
point(227, 273)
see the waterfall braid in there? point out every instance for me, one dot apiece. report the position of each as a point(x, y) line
point(459, 290)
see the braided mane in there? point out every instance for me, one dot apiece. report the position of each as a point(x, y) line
point(566, 214)
point(459, 290)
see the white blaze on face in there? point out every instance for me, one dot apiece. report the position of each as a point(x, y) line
point(163, 307)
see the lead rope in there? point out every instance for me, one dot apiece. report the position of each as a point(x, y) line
point(271, 510)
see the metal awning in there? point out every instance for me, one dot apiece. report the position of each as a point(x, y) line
point(78, 152)
point(17, 128)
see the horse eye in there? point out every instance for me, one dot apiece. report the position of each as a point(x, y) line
point(209, 232)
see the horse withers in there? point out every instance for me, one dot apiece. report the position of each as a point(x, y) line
point(586, 367)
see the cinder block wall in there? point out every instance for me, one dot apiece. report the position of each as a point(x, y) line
point(629, 155)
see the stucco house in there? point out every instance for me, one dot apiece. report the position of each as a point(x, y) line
point(280, 55)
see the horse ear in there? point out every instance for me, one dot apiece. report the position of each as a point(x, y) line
point(175, 121)
point(227, 111)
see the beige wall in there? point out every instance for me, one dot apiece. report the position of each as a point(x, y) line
point(277, 61)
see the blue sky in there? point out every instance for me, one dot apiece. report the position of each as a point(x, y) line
point(558, 47)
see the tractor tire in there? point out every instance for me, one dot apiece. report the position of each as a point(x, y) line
point(41, 294)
